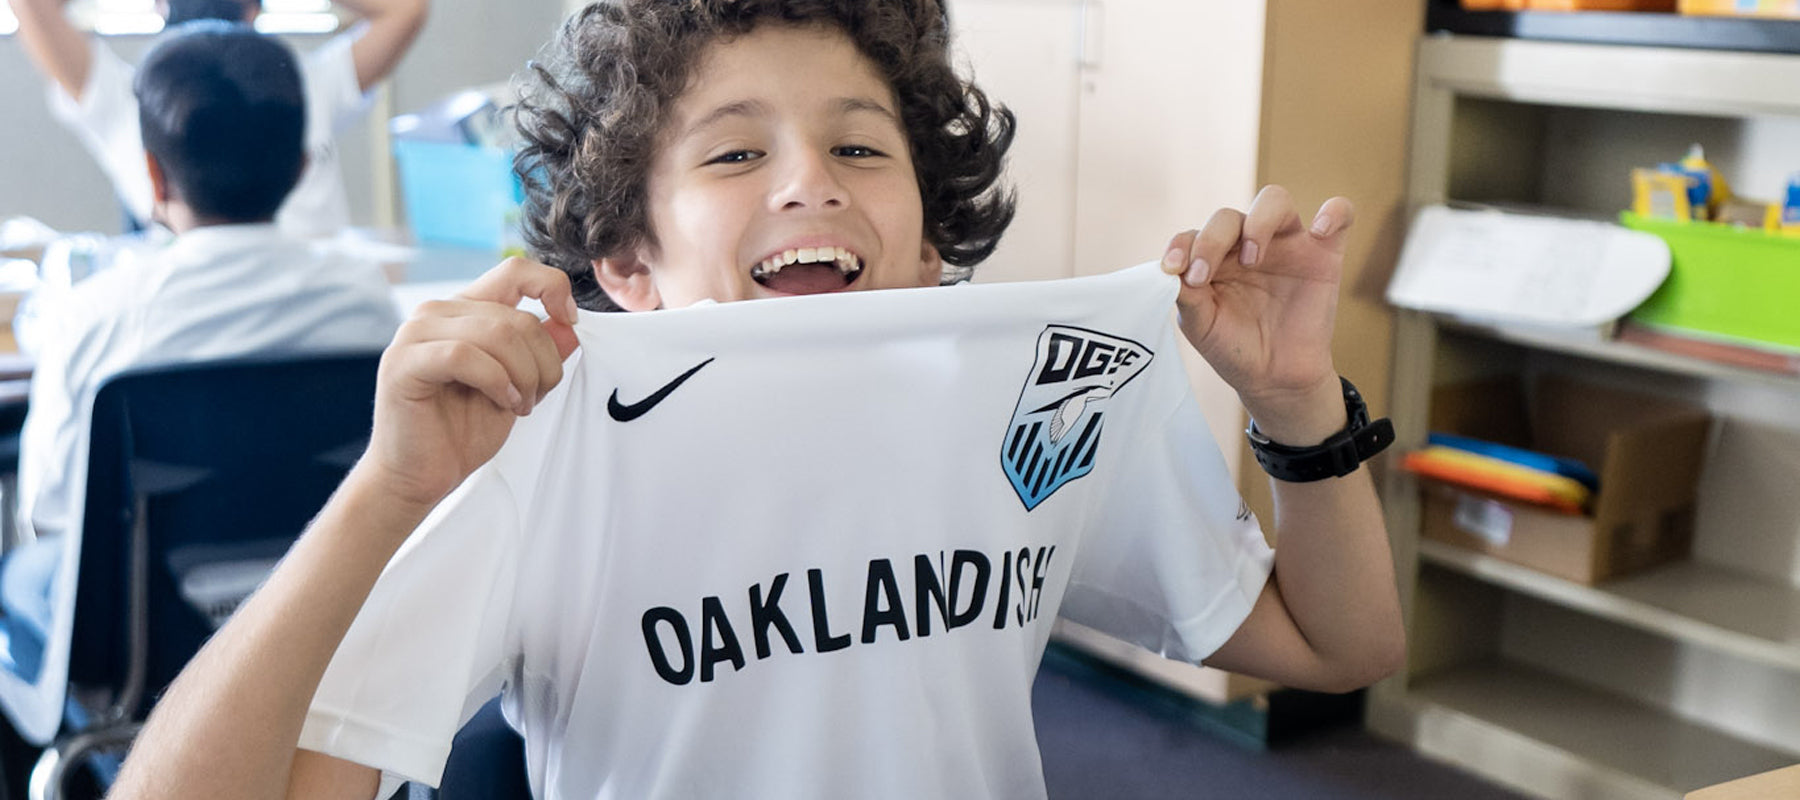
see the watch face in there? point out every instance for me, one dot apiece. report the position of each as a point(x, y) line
point(1354, 407)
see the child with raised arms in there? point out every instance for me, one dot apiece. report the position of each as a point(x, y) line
point(804, 546)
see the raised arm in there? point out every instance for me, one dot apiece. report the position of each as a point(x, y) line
point(457, 375)
point(58, 50)
point(393, 24)
point(1259, 299)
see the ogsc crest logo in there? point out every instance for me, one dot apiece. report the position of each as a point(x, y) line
point(1055, 429)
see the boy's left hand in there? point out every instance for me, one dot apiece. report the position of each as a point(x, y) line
point(1258, 300)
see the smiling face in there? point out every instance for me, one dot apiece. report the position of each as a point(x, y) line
point(783, 170)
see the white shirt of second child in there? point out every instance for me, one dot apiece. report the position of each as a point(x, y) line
point(215, 292)
point(105, 119)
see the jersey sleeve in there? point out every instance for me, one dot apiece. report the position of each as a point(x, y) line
point(105, 119)
point(1174, 560)
point(431, 644)
point(334, 98)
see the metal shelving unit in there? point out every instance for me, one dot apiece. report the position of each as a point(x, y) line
point(1489, 705)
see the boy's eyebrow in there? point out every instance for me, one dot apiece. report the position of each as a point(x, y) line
point(741, 108)
point(850, 105)
point(756, 108)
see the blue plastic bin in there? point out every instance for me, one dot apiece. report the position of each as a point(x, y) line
point(459, 195)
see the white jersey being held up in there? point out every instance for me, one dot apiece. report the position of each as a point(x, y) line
point(808, 547)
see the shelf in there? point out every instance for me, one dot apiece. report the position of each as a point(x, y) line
point(1655, 30)
point(1485, 107)
point(1740, 615)
point(1550, 737)
point(1588, 344)
point(1651, 79)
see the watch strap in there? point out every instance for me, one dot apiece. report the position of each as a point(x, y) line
point(1339, 455)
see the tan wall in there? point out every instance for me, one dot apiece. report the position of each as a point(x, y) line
point(1337, 82)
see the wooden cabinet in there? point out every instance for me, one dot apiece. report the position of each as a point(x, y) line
point(1660, 682)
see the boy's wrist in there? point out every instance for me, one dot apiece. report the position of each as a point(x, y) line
point(1300, 419)
point(402, 503)
point(1338, 454)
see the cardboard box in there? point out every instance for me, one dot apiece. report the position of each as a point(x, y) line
point(1646, 449)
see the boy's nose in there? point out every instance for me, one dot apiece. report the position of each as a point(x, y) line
point(809, 182)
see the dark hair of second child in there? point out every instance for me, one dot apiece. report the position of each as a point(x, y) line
point(223, 112)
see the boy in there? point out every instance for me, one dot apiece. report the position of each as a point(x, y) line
point(223, 119)
point(744, 599)
point(91, 94)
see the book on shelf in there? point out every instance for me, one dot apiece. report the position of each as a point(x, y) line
point(1767, 359)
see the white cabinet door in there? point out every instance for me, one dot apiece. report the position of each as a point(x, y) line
point(1024, 54)
point(1171, 98)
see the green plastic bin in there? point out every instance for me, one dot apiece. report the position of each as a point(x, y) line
point(1725, 281)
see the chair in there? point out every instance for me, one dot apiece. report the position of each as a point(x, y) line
point(199, 477)
point(486, 762)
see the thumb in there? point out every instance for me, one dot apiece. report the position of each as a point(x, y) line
point(1196, 307)
point(563, 335)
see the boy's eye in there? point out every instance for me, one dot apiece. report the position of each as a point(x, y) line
point(855, 151)
point(735, 157)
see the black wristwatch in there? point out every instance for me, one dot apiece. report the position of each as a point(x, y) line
point(1335, 457)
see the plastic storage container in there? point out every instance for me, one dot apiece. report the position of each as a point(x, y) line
point(1733, 283)
point(459, 195)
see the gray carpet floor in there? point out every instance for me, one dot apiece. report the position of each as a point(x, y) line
point(1102, 740)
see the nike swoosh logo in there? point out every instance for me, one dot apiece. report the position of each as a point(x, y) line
point(626, 412)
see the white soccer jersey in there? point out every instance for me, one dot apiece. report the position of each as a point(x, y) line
point(808, 547)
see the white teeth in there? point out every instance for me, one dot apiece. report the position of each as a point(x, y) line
point(845, 261)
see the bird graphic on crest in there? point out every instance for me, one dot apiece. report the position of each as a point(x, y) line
point(1069, 408)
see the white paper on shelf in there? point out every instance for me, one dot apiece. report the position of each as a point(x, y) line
point(1492, 265)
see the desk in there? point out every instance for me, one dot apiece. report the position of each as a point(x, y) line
point(434, 272)
point(1781, 784)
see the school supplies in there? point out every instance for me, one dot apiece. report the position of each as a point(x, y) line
point(1790, 207)
point(1530, 459)
point(1498, 477)
point(1707, 189)
point(1657, 194)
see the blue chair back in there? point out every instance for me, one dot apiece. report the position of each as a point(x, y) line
point(194, 468)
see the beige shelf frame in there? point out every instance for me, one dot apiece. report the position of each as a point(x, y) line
point(1528, 730)
point(1554, 738)
point(1741, 615)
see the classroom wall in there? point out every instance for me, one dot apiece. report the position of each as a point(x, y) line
point(46, 174)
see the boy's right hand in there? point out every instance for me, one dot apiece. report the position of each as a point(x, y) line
point(457, 375)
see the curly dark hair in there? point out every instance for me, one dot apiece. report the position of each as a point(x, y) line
point(590, 113)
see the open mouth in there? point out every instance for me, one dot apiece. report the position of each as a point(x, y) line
point(808, 270)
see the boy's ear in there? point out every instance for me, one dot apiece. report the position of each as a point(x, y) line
point(159, 181)
point(931, 265)
point(627, 281)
